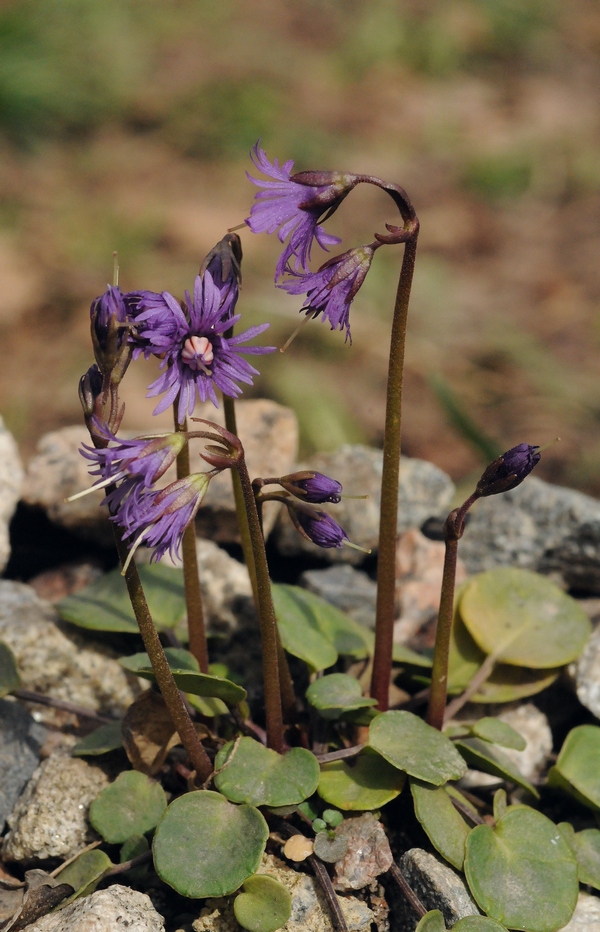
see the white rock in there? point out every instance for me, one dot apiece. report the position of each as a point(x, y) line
point(108, 910)
point(585, 672)
point(586, 917)
point(50, 817)
point(11, 480)
point(55, 660)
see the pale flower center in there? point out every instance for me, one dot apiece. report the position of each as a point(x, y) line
point(198, 353)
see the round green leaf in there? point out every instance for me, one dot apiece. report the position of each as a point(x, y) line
point(100, 741)
point(482, 756)
point(206, 846)
point(132, 805)
point(347, 636)
point(133, 848)
point(364, 783)
point(499, 732)
point(105, 605)
point(330, 848)
point(299, 629)
point(333, 694)
point(409, 744)
point(478, 924)
point(524, 618)
point(444, 826)
point(252, 773)
point(576, 769)
point(264, 904)
point(178, 657)
point(522, 872)
point(586, 845)
point(187, 676)
point(85, 872)
point(9, 674)
point(433, 921)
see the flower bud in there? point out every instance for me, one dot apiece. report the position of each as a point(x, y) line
point(509, 470)
point(108, 316)
point(317, 526)
point(312, 487)
point(90, 390)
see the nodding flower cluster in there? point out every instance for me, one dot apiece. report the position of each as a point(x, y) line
point(294, 206)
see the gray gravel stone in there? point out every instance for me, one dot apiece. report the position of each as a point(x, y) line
point(310, 912)
point(20, 741)
point(585, 674)
point(437, 885)
point(50, 818)
point(368, 855)
point(346, 588)
point(586, 917)
point(11, 480)
point(424, 491)
point(118, 907)
point(537, 526)
point(55, 660)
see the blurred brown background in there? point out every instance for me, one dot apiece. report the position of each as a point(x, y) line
point(126, 125)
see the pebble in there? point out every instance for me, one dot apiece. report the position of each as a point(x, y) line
point(309, 906)
point(424, 491)
point(368, 855)
point(117, 907)
point(437, 885)
point(11, 479)
point(537, 526)
point(49, 820)
point(56, 584)
point(585, 675)
point(55, 660)
point(20, 741)
point(586, 917)
point(345, 587)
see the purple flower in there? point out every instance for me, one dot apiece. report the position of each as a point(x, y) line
point(312, 487)
point(509, 470)
point(331, 290)
point(108, 315)
point(318, 527)
point(157, 322)
point(159, 518)
point(294, 208)
point(197, 356)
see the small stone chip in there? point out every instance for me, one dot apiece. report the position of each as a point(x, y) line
point(298, 848)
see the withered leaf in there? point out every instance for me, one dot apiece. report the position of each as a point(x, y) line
point(43, 893)
point(148, 732)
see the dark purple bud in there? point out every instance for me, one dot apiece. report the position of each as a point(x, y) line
point(509, 470)
point(90, 389)
point(318, 527)
point(108, 316)
point(312, 487)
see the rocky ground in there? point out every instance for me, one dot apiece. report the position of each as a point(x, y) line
point(59, 548)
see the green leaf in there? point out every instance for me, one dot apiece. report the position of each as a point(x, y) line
point(132, 805)
point(133, 848)
point(433, 921)
point(406, 657)
point(9, 674)
point(205, 846)
point(207, 706)
point(444, 826)
point(482, 756)
point(252, 773)
point(522, 872)
point(409, 744)
point(499, 732)
point(363, 783)
point(586, 846)
point(100, 741)
point(347, 636)
point(576, 769)
point(336, 693)
point(500, 804)
point(299, 629)
point(478, 924)
point(330, 848)
point(524, 618)
point(264, 904)
point(85, 873)
point(105, 605)
point(187, 677)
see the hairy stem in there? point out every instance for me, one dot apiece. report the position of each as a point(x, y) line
point(240, 508)
point(388, 522)
point(173, 700)
point(266, 615)
point(191, 577)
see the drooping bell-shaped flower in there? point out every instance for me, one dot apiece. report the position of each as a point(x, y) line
point(509, 470)
point(313, 487)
